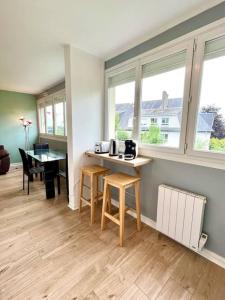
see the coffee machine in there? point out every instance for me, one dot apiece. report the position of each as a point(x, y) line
point(130, 150)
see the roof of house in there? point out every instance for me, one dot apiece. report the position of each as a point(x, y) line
point(154, 108)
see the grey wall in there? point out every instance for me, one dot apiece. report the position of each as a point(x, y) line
point(202, 180)
point(213, 14)
point(206, 181)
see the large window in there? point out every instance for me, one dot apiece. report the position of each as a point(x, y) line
point(162, 95)
point(210, 129)
point(121, 94)
point(52, 115)
point(173, 100)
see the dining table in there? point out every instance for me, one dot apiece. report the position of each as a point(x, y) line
point(49, 159)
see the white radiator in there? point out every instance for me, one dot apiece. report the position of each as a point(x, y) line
point(180, 216)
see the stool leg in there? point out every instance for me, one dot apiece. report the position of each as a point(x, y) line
point(122, 212)
point(81, 190)
point(104, 204)
point(138, 209)
point(96, 186)
point(93, 193)
point(109, 198)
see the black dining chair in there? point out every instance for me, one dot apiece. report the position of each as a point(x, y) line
point(63, 174)
point(28, 169)
point(39, 146)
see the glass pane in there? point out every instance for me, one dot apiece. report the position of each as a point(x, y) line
point(59, 119)
point(42, 119)
point(162, 101)
point(49, 119)
point(210, 131)
point(121, 102)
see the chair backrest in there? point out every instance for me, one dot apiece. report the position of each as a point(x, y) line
point(24, 160)
point(44, 146)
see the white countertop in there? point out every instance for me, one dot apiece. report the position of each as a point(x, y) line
point(136, 162)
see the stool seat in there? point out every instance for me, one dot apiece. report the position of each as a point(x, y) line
point(93, 169)
point(121, 180)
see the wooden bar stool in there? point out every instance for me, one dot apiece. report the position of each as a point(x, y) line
point(122, 182)
point(93, 172)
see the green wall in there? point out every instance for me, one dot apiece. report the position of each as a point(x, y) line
point(12, 106)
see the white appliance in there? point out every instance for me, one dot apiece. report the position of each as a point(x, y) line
point(102, 147)
point(180, 216)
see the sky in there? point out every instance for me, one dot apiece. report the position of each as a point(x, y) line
point(212, 86)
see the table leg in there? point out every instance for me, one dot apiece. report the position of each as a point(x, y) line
point(30, 164)
point(49, 173)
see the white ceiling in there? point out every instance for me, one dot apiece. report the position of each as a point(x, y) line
point(33, 32)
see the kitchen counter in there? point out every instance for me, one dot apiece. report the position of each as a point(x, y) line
point(135, 163)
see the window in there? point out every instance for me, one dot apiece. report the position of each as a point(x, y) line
point(52, 115)
point(210, 129)
point(165, 137)
point(162, 93)
point(153, 121)
point(59, 115)
point(165, 122)
point(121, 94)
point(42, 118)
point(173, 100)
point(49, 119)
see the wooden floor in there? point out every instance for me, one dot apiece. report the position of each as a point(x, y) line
point(48, 251)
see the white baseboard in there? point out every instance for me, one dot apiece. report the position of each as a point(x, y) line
point(212, 256)
point(16, 165)
point(71, 204)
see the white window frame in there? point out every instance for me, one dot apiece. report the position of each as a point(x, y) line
point(190, 156)
point(185, 45)
point(188, 46)
point(195, 94)
point(51, 100)
point(109, 128)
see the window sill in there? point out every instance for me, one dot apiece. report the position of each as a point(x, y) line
point(53, 137)
point(184, 158)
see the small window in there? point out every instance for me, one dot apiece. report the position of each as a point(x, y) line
point(210, 126)
point(153, 121)
point(165, 137)
point(121, 104)
point(165, 122)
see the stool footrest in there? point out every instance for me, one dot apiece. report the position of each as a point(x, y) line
point(112, 218)
point(87, 201)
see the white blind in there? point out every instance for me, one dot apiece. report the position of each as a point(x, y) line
point(165, 64)
point(122, 78)
point(59, 99)
point(215, 48)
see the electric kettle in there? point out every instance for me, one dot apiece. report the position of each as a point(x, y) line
point(113, 148)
